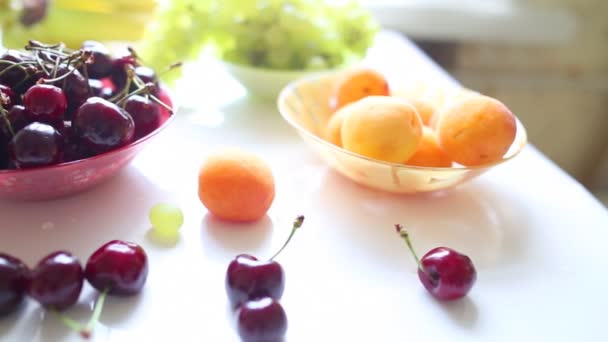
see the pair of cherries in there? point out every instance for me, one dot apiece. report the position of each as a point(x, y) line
point(117, 268)
point(254, 288)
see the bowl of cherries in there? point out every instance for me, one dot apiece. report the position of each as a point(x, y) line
point(70, 119)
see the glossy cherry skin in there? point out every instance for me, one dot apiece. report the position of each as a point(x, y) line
point(102, 60)
point(36, 144)
point(17, 118)
point(248, 278)
point(13, 282)
point(14, 75)
point(447, 274)
point(262, 320)
point(102, 126)
point(119, 73)
point(8, 98)
point(45, 103)
point(76, 89)
point(145, 113)
point(56, 281)
point(120, 266)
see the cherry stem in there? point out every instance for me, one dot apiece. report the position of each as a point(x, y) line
point(297, 223)
point(86, 331)
point(171, 67)
point(14, 65)
point(67, 321)
point(406, 237)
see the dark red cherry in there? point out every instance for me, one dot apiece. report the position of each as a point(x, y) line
point(262, 320)
point(119, 73)
point(102, 60)
point(37, 144)
point(102, 126)
point(121, 267)
point(32, 78)
point(76, 89)
point(96, 86)
point(8, 98)
point(146, 114)
point(249, 278)
point(45, 103)
point(56, 281)
point(100, 88)
point(14, 75)
point(13, 282)
point(445, 273)
point(16, 118)
point(146, 75)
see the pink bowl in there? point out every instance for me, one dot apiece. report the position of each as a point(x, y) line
point(66, 179)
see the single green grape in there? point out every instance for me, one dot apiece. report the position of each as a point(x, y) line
point(166, 219)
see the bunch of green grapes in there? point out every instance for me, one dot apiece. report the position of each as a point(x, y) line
point(294, 34)
point(276, 34)
point(178, 34)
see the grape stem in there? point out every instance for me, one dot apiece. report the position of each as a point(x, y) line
point(406, 237)
point(297, 223)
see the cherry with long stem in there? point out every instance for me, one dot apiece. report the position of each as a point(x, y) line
point(445, 273)
point(248, 278)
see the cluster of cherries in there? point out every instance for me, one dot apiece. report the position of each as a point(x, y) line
point(254, 288)
point(58, 105)
point(117, 268)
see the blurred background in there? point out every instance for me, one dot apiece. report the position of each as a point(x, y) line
point(546, 59)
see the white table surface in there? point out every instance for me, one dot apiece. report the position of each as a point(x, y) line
point(537, 237)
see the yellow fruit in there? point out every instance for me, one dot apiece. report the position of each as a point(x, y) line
point(383, 128)
point(477, 130)
point(334, 128)
point(429, 153)
point(426, 110)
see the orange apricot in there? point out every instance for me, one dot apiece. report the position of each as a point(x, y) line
point(427, 112)
point(356, 84)
point(429, 153)
point(334, 127)
point(235, 185)
point(477, 130)
point(383, 128)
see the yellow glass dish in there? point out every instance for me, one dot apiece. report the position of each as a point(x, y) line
point(304, 104)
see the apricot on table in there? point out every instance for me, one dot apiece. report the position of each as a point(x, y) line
point(236, 185)
point(383, 128)
point(477, 130)
point(356, 84)
point(429, 153)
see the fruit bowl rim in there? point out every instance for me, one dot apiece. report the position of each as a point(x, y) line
point(520, 141)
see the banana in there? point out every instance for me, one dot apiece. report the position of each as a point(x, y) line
point(74, 21)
